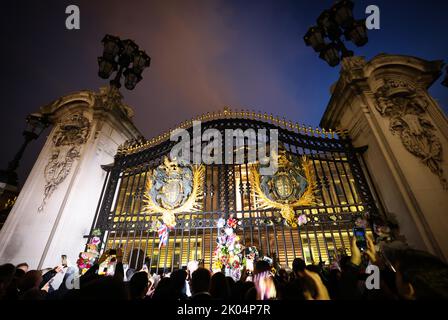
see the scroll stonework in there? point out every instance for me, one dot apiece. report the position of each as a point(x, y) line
point(70, 135)
point(406, 110)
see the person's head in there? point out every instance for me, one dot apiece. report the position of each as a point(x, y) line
point(139, 285)
point(261, 266)
point(164, 290)
point(294, 290)
point(23, 266)
point(298, 266)
point(314, 268)
point(129, 273)
point(178, 278)
point(283, 275)
point(104, 288)
point(419, 275)
point(200, 281)
point(7, 272)
point(32, 279)
point(219, 287)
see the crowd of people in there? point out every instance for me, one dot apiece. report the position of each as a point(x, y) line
point(403, 273)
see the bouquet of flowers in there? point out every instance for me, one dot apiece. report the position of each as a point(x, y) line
point(227, 255)
point(87, 259)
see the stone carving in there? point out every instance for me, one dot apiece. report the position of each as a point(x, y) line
point(406, 109)
point(73, 131)
point(70, 134)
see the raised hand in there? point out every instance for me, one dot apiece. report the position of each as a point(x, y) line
point(356, 253)
point(321, 289)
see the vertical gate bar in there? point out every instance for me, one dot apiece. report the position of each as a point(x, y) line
point(100, 202)
point(284, 244)
point(146, 249)
point(159, 253)
point(277, 253)
point(268, 245)
point(343, 189)
point(317, 157)
point(347, 177)
point(167, 247)
point(211, 239)
point(174, 248)
point(181, 252)
point(134, 193)
point(196, 241)
point(123, 212)
point(339, 203)
point(203, 238)
point(115, 239)
point(344, 192)
point(292, 243)
point(212, 168)
point(310, 249)
point(302, 253)
point(121, 208)
point(140, 197)
point(152, 249)
point(190, 223)
point(326, 206)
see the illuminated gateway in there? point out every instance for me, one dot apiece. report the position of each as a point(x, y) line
point(383, 164)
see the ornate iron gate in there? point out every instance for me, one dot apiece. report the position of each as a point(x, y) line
point(342, 194)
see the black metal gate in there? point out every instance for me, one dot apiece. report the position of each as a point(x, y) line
point(342, 194)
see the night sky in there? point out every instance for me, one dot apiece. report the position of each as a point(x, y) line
point(205, 54)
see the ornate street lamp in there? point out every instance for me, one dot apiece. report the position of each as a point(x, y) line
point(332, 24)
point(124, 58)
point(35, 125)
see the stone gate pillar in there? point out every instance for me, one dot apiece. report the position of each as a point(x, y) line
point(57, 203)
point(384, 104)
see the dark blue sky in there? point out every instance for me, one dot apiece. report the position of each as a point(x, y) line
point(205, 54)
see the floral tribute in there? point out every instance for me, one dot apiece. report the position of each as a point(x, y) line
point(227, 256)
point(87, 259)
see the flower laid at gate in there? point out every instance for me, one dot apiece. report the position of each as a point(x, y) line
point(301, 220)
point(87, 259)
point(227, 257)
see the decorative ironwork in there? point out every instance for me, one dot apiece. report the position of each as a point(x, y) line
point(291, 186)
point(173, 187)
point(326, 161)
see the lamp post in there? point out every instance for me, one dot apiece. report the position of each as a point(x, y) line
point(125, 58)
point(332, 24)
point(35, 125)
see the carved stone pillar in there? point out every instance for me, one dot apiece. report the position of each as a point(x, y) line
point(384, 104)
point(57, 203)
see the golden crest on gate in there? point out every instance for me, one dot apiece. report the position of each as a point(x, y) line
point(291, 186)
point(174, 186)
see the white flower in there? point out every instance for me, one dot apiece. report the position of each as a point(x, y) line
point(221, 223)
point(229, 231)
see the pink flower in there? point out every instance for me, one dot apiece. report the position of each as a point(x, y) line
point(95, 240)
point(302, 219)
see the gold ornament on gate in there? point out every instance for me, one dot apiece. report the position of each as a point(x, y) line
point(292, 186)
point(175, 186)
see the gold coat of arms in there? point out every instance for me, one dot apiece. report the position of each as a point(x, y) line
point(173, 187)
point(291, 186)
